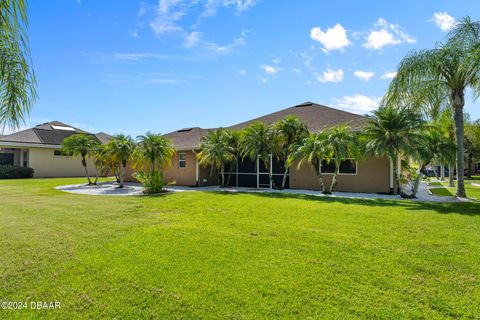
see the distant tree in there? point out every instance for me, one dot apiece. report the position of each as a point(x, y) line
point(120, 149)
point(82, 145)
point(17, 78)
point(290, 131)
point(472, 144)
point(217, 151)
point(393, 131)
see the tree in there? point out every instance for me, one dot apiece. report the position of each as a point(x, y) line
point(472, 143)
point(341, 143)
point(313, 151)
point(290, 131)
point(258, 141)
point(82, 145)
point(392, 131)
point(120, 149)
point(17, 78)
point(216, 151)
point(448, 70)
point(152, 154)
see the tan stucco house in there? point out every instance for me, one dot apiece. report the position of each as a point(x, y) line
point(371, 174)
point(40, 148)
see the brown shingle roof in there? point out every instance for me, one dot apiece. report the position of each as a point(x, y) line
point(317, 117)
point(45, 133)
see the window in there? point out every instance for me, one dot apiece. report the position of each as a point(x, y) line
point(60, 153)
point(25, 158)
point(348, 166)
point(182, 161)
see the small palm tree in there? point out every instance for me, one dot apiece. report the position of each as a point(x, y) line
point(341, 144)
point(313, 151)
point(216, 151)
point(391, 132)
point(17, 78)
point(447, 71)
point(290, 131)
point(259, 141)
point(120, 149)
point(82, 145)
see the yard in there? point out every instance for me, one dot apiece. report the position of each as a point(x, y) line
point(215, 255)
point(472, 186)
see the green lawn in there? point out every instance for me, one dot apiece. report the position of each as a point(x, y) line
point(472, 191)
point(235, 256)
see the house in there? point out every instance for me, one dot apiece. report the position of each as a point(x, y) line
point(40, 148)
point(371, 174)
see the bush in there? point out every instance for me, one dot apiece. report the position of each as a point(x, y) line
point(15, 172)
point(151, 182)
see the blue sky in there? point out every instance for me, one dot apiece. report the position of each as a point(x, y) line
point(134, 66)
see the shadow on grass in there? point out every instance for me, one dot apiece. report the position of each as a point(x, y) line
point(464, 208)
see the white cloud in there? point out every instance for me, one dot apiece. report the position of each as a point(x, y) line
point(222, 49)
point(192, 39)
point(334, 38)
point(389, 75)
point(211, 6)
point(357, 103)
point(269, 69)
point(386, 34)
point(242, 72)
point(126, 56)
point(330, 76)
point(364, 75)
point(444, 21)
point(276, 61)
point(133, 33)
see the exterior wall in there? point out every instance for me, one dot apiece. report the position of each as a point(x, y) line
point(46, 165)
point(373, 175)
point(183, 176)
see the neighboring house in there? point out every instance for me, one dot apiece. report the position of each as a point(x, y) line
point(40, 148)
point(372, 174)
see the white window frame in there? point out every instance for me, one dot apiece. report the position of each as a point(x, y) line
point(341, 174)
point(180, 160)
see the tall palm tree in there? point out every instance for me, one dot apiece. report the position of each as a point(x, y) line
point(391, 132)
point(313, 151)
point(82, 145)
point(120, 149)
point(17, 78)
point(216, 151)
point(449, 70)
point(153, 152)
point(290, 131)
point(258, 141)
point(341, 144)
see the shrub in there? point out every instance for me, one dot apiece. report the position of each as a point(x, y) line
point(15, 172)
point(151, 182)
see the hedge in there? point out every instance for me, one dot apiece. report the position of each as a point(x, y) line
point(15, 172)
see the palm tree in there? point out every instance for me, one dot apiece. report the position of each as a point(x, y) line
point(120, 149)
point(290, 132)
point(258, 141)
point(153, 152)
point(216, 151)
point(448, 70)
point(17, 78)
point(313, 151)
point(472, 143)
point(341, 144)
point(391, 132)
point(82, 145)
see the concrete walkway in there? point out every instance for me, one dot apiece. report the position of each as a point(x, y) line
point(110, 188)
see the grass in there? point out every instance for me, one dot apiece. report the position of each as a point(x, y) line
point(473, 192)
point(235, 256)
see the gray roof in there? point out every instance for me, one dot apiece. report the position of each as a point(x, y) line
point(45, 133)
point(103, 137)
point(315, 116)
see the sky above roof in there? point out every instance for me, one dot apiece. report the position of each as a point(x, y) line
point(137, 66)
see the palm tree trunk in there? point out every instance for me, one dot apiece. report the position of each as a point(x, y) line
point(442, 172)
point(222, 173)
point(470, 163)
point(451, 177)
point(322, 184)
point(284, 179)
point(458, 102)
point(122, 175)
point(396, 186)
point(334, 178)
point(84, 163)
point(436, 173)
